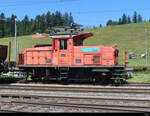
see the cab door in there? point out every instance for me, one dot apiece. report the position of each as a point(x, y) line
point(63, 53)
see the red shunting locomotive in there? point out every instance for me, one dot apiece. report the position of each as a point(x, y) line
point(68, 60)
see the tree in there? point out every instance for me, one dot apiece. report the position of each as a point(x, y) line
point(135, 17)
point(129, 20)
point(120, 21)
point(8, 27)
point(58, 19)
point(52, 19)
point(100, 26)
point(12, 24)
point(109, 22)
point(124, 19)
point(30, 26)
point(26, 25)
point(48, 19)
point(139, 18)
point(66, 19)
point(38, 23)
point(2, 25)
point(71, 20)
point(43, 23)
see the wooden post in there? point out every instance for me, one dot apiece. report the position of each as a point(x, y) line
point(125, 59)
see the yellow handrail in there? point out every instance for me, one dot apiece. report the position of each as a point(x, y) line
point(58, 52)
point(68, 54)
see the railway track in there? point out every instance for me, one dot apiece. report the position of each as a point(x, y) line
point(62, 107)
point(100, 89)
point(73, 98)
point(137, 84)
point(73, 104)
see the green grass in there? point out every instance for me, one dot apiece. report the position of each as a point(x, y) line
point(137, 79)
point(140, 77)
point(6, 77)
point(135, 62)
point(141, 73)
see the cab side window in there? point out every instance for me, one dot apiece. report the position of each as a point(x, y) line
point(63, 44)
point(80, 42)
point(53, 43)
point(77, 42)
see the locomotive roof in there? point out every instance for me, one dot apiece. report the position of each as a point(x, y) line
point(72, 35)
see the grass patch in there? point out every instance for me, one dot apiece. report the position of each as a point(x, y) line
point(141, 73)
point(137, 79)
point(29, 78)
point(135, 62)
point(6, 77)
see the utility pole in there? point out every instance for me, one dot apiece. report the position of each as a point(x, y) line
point(146, 56)
point(15, 40)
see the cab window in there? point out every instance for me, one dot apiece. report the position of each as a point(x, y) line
point(80, 42)
point(77, 42)
point(63, 44)
point(53, 43)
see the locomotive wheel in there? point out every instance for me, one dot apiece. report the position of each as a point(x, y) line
point(99, 79)
point(64, 81)
point(118, 81)
point(35, 78)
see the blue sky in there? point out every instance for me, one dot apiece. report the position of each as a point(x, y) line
point(86, 12)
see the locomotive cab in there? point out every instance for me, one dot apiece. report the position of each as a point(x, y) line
point(63, 45)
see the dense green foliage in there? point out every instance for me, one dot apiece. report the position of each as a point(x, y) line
point(126, 20)
point(29, 26)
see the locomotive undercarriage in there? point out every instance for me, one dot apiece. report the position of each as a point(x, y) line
point(95, 75)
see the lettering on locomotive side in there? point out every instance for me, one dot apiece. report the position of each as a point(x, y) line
point(90, 49)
